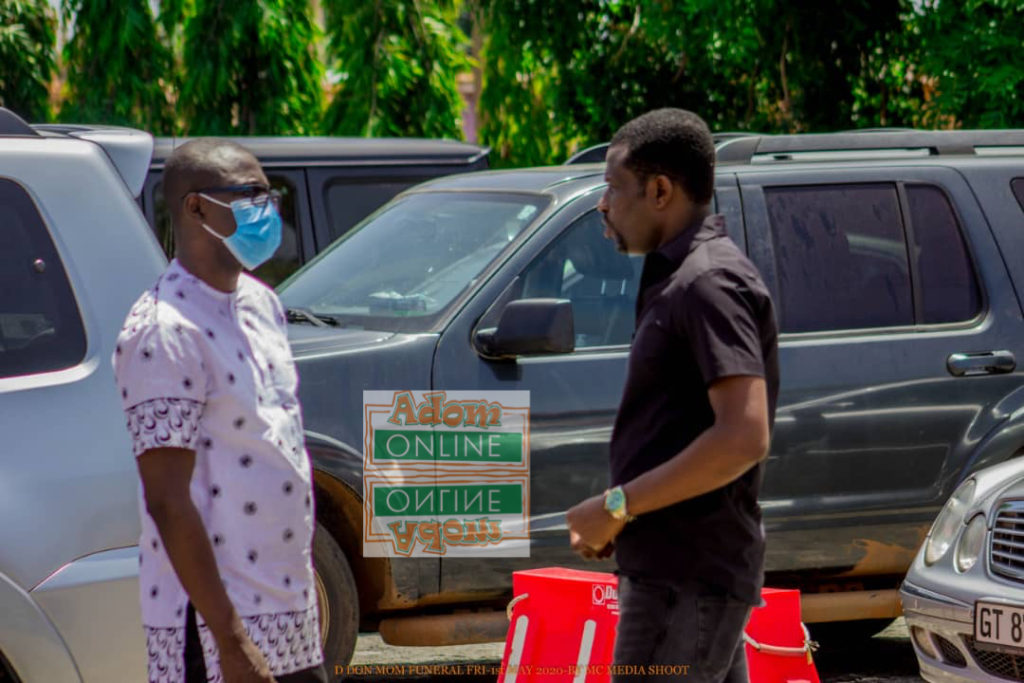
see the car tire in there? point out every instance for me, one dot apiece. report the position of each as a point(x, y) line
point(337, 599)
point(839, 634)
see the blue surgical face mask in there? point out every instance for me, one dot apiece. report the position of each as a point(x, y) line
point(258, 232)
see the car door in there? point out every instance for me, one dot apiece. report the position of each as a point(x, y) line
point(573, 397)
point(892, 358)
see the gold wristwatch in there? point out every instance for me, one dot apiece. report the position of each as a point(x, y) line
point(615, 504)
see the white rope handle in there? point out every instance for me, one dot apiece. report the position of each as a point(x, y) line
point(808, 647)
point(513, 602)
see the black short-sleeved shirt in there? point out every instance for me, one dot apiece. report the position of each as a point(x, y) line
point(703, 314)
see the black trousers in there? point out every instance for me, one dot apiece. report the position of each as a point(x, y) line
point(678, 632)
point(195, 665)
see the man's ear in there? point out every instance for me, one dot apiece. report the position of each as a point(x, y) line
point(664, 190)
point(192, 206)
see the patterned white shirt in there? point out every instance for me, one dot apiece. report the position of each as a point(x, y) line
point(211, 371)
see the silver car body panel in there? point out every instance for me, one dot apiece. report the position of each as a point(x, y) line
point(940, 600)
point(101, 587)
point(129, 150)
point(29, 640)
point(68, 482)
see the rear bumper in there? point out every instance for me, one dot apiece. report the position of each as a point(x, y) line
point(849, 606)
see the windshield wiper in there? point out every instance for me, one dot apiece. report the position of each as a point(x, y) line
point(298, 315)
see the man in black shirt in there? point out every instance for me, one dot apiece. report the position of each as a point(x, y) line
point(696, 413)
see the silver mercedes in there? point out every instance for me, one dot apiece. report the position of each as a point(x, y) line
point(963, 597)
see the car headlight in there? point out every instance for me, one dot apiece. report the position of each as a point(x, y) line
point(948, 523)
point(968, 548)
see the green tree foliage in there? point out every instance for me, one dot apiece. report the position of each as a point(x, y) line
point(396, 63)
point(972, 49)
point(555, 75)
point(519, 102)
point(118, 70)
point(561, 75)
point(250, 68)
point(27, 55)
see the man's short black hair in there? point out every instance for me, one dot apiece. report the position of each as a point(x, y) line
point(199, 163)
point(672, 142)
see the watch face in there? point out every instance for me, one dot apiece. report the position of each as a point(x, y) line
point(616, 499)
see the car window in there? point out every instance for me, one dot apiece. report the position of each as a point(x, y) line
point(585, 268)
point(40, 326)
point(401, 269)
point(350, 201)
point(841, 257)
point(285, 261)
point(949, 289)
point(1017, 184)
point(162, 220)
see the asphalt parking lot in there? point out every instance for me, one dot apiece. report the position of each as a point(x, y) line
point(886, 658)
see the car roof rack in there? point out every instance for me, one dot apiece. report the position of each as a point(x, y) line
point(591, 155)
point(290, 150)
point(879, 129)
point(596, 153)
point(727, 135)
point(742, 150)
point(12, 124)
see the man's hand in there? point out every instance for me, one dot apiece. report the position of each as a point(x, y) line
point(241, 661)
point(592, 529)
point(166, 473)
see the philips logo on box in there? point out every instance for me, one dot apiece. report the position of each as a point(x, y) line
point(604, 595)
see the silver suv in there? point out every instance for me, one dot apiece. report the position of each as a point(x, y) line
point(75, 251)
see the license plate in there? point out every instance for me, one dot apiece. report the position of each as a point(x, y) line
point(999, 624)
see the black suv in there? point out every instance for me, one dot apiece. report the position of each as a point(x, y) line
point(327, 185)
point(895, 262)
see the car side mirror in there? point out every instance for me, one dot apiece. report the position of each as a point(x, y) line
point(529, 327)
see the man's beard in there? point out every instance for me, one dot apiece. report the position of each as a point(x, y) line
point(615, 237)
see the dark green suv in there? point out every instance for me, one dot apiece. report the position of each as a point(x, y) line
point(328, 184)
point(895, 262)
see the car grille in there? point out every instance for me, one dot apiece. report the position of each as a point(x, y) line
point(950, 653)
point(1001, 664)
point(1006, 544)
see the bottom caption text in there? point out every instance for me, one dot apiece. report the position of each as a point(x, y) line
point(525, 669)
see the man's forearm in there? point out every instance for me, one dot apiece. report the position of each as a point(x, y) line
point(712, 460)
point(191, 555)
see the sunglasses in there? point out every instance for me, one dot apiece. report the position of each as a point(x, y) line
point(256, 193)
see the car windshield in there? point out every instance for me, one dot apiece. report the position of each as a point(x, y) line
point(405, 265)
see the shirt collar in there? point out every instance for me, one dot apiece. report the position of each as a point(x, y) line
point(211, 292)
point(699, 230)
point(667, 258)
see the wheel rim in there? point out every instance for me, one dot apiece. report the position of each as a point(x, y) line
point(323, 607)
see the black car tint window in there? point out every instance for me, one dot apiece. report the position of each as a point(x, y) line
point(841, 257)
point(285, 260)
point(350, 201)
point(40, 326)
point(949, 289)
point(584, 267)
point(1018, 190)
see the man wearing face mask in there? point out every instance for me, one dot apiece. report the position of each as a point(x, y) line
point(209, 389)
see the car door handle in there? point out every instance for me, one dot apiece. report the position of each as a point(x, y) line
point(984, 363)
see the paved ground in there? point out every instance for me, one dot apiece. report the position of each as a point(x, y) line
point(886, 658)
